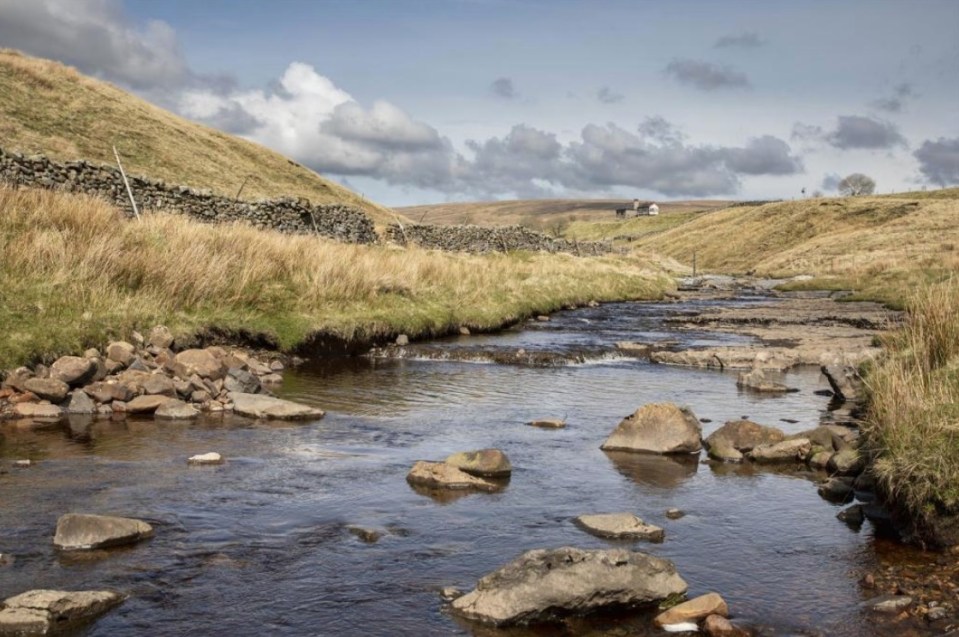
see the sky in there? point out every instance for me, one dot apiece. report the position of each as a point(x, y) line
point(427, 101)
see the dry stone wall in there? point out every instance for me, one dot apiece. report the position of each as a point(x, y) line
point(498, 239)
point(299, 216)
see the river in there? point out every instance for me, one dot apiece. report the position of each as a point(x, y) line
point(261, 544)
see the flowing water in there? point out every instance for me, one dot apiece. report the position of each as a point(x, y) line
point(261, 545)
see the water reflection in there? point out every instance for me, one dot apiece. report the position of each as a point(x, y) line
point(664, 472)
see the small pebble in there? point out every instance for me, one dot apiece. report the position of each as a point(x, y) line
point(674, 514)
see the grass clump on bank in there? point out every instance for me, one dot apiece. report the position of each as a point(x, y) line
point(913, 423)
point(75, 273)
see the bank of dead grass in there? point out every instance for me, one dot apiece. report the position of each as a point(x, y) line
point(74, 273)
point(913, 424)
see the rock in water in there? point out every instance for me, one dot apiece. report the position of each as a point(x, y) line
point(719, 626)
point(845, 381)
point(439, 475)
point(543, 584)
point(261, 406)
point(206, 458)
point(693, 610)
point(657, 428)
point(745, 435)
point(620, 526)
point(547, 423)
point(757, 380)
point(81, 403)
point(77, 531)
point(486, 463)
point(41, 612)
point(174, 409)
point(788, 450)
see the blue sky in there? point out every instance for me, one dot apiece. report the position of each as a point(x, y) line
point(418, 102)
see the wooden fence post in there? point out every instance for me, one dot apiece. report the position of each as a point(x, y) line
point(126, 183)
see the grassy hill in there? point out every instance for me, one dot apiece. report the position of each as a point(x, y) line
point(51, 109)
point(882, 246)
point(545, 214)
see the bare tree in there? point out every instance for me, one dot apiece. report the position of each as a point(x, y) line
point(856, 184)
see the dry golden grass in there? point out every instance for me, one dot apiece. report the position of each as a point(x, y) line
point(551, 215)
point(881, 246)
point(913, 424)
point(51, 109)
point(74, 273)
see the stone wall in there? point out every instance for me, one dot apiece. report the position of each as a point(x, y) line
point(337, 221)
point(481, 239)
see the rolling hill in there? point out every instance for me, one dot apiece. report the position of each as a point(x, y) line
point(51, 109)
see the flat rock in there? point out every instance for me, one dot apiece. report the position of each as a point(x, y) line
point(486, 463)
point(785, 451)
point(268, 407)
point(76, 531)
point(547, 423)
point(620, 526)
point(693, 610)
point(37, 411)
point(50, 389)
point(544, 584)
point(41, 612)
point(73, 370)
point(439, 475)
point(146, 404)
point(108, 391)
point(889, 603)
point(657, 428)
point(174, 409)
point(745, 435)
point(758, 380)
point(206, 458)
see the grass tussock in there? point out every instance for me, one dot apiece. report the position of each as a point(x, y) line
point(913, 424)
point(73, 273)
point(51, 109)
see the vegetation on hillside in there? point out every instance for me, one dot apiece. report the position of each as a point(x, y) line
point(51, 109)
point(913, 424)
point(74, 274)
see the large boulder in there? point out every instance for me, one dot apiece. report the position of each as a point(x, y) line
point(657, 428)
point(619, 526)
point(544, 584)
point(73, 370)
point(37, 411)
point(486, 463)
point(42, 612)
point(201, 362)
point(81, 403)
point(159, 385)
point(440, 475)
point(76, 531)
point(744, 435)
point(693, 610)
point(261, 406)
point(48, 389)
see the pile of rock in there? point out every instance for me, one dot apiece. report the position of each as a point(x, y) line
point(147, 377)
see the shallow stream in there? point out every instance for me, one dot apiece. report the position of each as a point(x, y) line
point(261, 545)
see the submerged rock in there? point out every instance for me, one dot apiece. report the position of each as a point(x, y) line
point(486, 463)
point(620, 526)
point(693, 610)
point(547, 423)
point(661, 428)
point(440, 475)
point(889, 603)
point(544, 584)
point(261, 406)
point(76, 531)
point(40, 612)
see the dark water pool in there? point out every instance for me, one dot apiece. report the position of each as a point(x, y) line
point(261, 544)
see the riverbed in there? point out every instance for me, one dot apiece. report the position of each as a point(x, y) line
point(262, 544)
